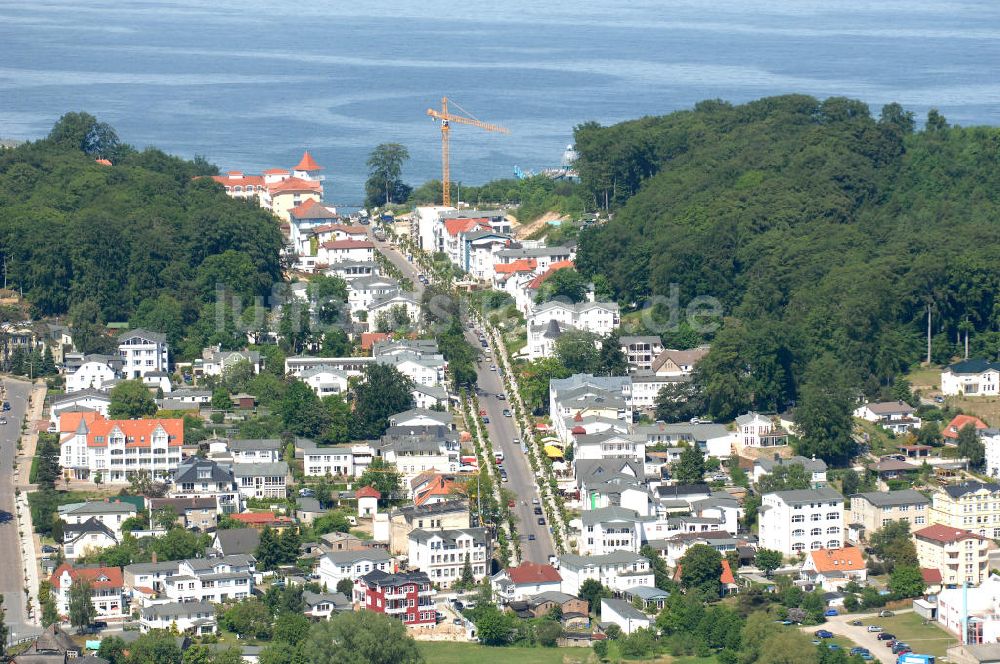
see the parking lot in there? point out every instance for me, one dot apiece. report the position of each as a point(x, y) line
point(905, 625)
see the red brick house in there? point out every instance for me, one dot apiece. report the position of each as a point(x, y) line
point(406, 596)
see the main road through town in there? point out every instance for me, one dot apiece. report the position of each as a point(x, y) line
point(536, 540)
point(11, 577)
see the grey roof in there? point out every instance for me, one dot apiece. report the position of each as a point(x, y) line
point(958, 490)
point(158, 337)
point(628, 340)
point(271, 469)
point(550, 596)
point(682, 490)
point(183, 504)
point(552, 330)
point(384, 579)
point(88, 393)
point(889, 407)
point(534, 252)
point(238, 540)
point(647, 593)
point(699, 432)
point(974, 365)
point(808, 495)
point(71, 531)
point(409, 512)
point(620, 557)
point(99, 507)
point(479, 535)
point(893, 498)
point(603, 469)
point(348, 557)
point(309, 505)
point(178, 608)
point(189, 471)
point(338, 600)
point(623, 609)
point(442, 417)
point(608, 514)
point(812, 465)
point(255, 444)
point(153, 568)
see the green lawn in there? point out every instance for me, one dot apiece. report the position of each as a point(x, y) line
point(925, 639)
point(449, 652)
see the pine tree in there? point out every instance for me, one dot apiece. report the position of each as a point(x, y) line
point(17, 362)
point(48, 363)
point(268, 552)
point(467, 580)
point(288, 545)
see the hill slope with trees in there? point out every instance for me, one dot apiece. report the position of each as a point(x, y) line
point(825, 233)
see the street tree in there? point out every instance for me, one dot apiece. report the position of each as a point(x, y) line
point(384, 185)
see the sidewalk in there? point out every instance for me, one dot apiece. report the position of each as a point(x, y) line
point(29, 542)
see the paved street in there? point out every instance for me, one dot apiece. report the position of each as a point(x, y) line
point(12, 581)
point(502, 432)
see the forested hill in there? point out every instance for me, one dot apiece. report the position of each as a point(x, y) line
point(142, 235)
point(822, 229)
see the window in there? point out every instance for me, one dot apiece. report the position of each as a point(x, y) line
point(816, 546)
point(833, 530)
point(815, 517)
point(833, 544)
point(798, 546)
point(798, 518)
point(832, 516)
point(798, 532)
point(816, 531)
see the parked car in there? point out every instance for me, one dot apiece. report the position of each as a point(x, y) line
point(531, 537)
point(824, 634)
point(885, 614)
point(3, 420)
point(874, 628)
point(830, 613)
point(48, 548)
point(493, 367)
point(885, 636)
point(938, 399)
point(486, 420)
point(855, 623)
point(502, 396)
point(534, 501)
point(541, 521)
point(306, 493)
point(538, 510)
point(506, 412)
point(899, 647)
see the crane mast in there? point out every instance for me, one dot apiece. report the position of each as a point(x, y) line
point(446, 118)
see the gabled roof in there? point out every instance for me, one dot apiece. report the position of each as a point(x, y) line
point(529, 572)
point(137, 433)
point(158, 337)
point(975, 365)
point(688, 357)
point(971, 486)
point(348, 244)
point(520, 265)
point(836, 560)
point(890, 407)
point(100, 578)
point(893, 498)
point(943, 534)
point(238, 540)
point(930, 575)
point(262, 518)
point(295, 184)
point(312, 209)
point(368, 492)
point(307, 163)
point(959, 422)
point(536, 283)
point(99, 507)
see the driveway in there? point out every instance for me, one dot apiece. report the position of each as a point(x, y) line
point(860, 636)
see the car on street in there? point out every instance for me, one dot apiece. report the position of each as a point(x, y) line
point(506, 412)
point(541, 521)
point(531, 537)
point(824, 634)
point(306, 493)
point(458, 621)
point(855, 623)
point(502, 396)
point(6, 405)
point(900, 647)
point(534, 501)
point(538, 510)
point(493, 367)
point(486, 420)
point(874, 628)
point(938, 399)
point(885, 636)
point(885, 614)
point(3, 420)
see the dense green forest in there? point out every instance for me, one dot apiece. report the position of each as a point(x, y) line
point(145, 236)
point(825, 232)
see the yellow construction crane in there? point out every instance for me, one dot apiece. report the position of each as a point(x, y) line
point(446, 119)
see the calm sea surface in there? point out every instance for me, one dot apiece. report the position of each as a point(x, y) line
point(249, 84)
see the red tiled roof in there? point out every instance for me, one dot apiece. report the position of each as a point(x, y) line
point(277, 171)
point(520, 265)
point(439, 486)
point(261, 518)
point(945, 534)
point(239, 180)
point(307, 163)
point(455, 226)
point(555, 267)
point(959, 422)
point(836, 560)
point(369, 339)
point(930, 575)
point(100, 578)
point(311, 209)
point(348, 244)
point(529, 572)
point(138, 433)
point(367, 492)
point(295, 184)
point(103, 162)
point(343, 228)
point(727, 573)
point(68, 422)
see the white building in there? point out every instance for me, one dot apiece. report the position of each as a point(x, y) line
point(623, 614)
point(112, 451)
point(601, 318)
point(362, 291)
point(619, 571)
point(335, 460)
point(991, 443)
point(214, 580)
point(442, 554)
point(255, 450)
point(143, 352)
point(336, 566)
point(193, 617)
point(106, 585)
point(338, 251)
point(81, 539)
point(815, 469)
point(528, 579)
point(204, 478)
point(982, 605)
point(92, 375)
point(803, 520)
point(896, 416)
point(325, 381)
point(609, 445)
point(971, 378)
point(261, 480)
point(110, 513)
point(214, 361)
point(756, 430)
point(85, 401)
point(610, 529)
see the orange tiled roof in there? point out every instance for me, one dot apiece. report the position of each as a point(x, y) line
point(455, 226)
point(100, 578)
point(137, 433)
point(305, 208)
point(369, 339)
point(103, 162)
point(836, 560)
point(520, 265)
point(959, 422)
point(261, 518)
point(367, 492)
point(555, 267)
point(439, 486)
point(238, 179)
point(295, 184)
point(727, 573)
point(307, 163)
point(277, 171)
point(945, 534)
point(69, 422)
point(348, 244)
point(529, 572)
point(343, 228)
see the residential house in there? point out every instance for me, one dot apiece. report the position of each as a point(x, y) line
point(971, 378)
point(106, 584)
point(874, 510)
point(262, 520)
point(213, 580)
point(599, 318)
point(194, 513)
point(94, 374)
point(112, 451)
point(394, 310)
point(897, 416)
point(526, 580)
point(143, 352)
point(446, 515)
point(429, 396)
point(672, 362)
point(214, 361)
point(110, 513)
point(802, 520)
point(304, 220)
point(621, 613)
point(84, 401)
point(337, 251)
point(194, 617)
point(335, 460)
point(236, 541)
point(406, 596)
point(205, 478)
point(308, 510)
point(756, 430)
point(442, 554)
point(148, 578)
point(715, 440)
point(336, 566)
point(261, 480)
point(55, 646)
point(260, 450)
point(610, 529)
point(641, 350)
point(815, 469)
point(585, 394)
point(646, 387)
point(542, 604)
point(367, 497)
point(415, 450)
point(832, 569)
point(959, 422)
point(608, 446)
point(619, 570)
point(85, 537)
point(673, 547)
point(419, 417)
point(961, 556)
point(969, 505)
point(362, 291)
point(324, 605)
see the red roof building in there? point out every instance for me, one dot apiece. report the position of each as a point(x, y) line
point(520, 265)
point(103, 162)
point(307, 163)
point(555, 267)
point(313, 209)
point(959, 422)
point(368, 492)
point(107, 585)
point(293, 184)
point(533, 573)
point(261, 520)
point(943, 534)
